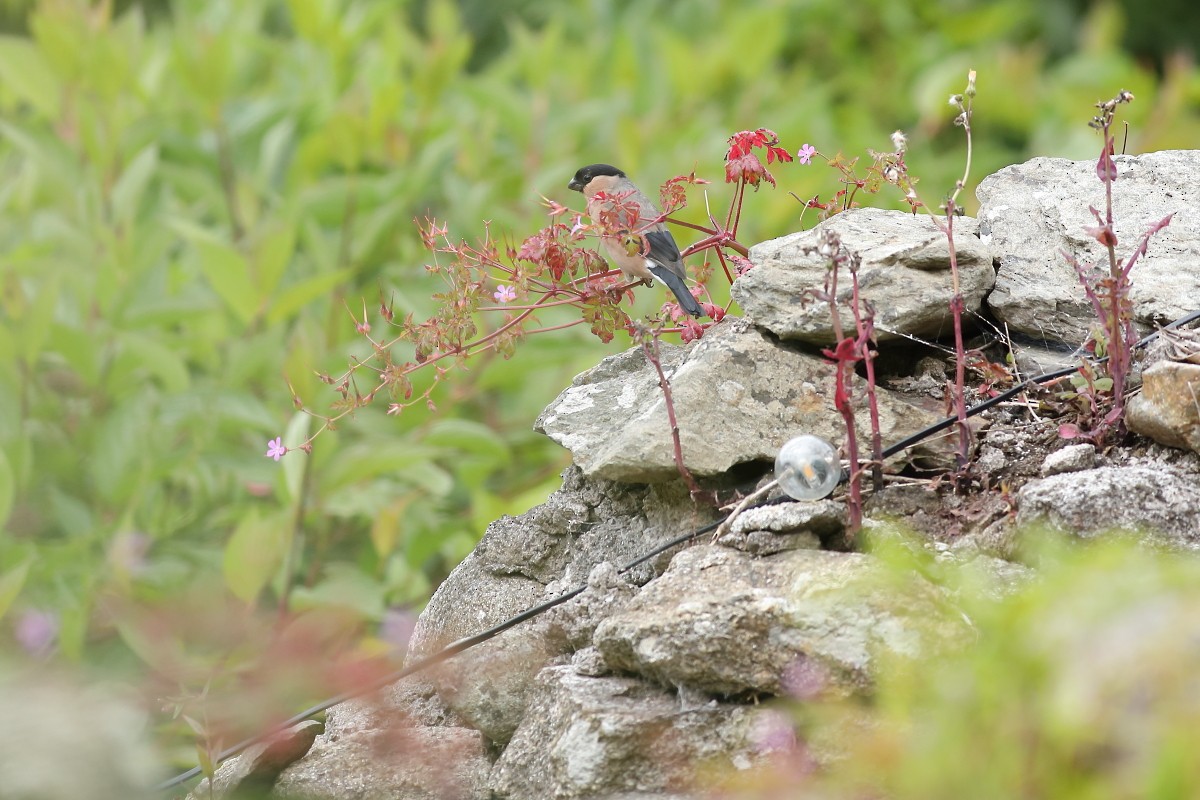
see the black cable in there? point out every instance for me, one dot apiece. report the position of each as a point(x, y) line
point(458, 646)
point(1038, 380)
point(452, 649)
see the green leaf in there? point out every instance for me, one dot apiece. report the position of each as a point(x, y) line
point(272, 256)
point(299, 295)
point(296, 464)
point(400, 459)
point(254, 553)
point(129, 188)
point(117, 454)
point(275, 150)
point(387, 527)
point(468, 436)
point(344, 586)
point(229, 274)
point(8, 489)
point(35, 322)
point(24, 70)
point(11, 583)
point(157, 359)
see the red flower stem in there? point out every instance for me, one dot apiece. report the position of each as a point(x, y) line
point(960, 353)
point(866, 329)
point(841, 401)
point(652, 355)
point(737, 220)
point(1118, 348)
point(560, 327)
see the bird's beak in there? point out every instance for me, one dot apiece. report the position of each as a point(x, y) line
point(575, 186)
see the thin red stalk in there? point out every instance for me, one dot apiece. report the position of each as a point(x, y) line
point(960, 353)
point(733, 204)
point(1118, 350)
point(725, 264)
point(685, 224)
point(841, 400)
point(652, 355)
point(563, 326)
point(865, 329)
point(737, 220)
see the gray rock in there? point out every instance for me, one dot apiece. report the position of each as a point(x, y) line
point(1159, 503)
point(610, 737)
point(773, 529)
point(1168, 408)
point(256, 769)
point(729, 624)
point(1072, 458)
point(576, 620)
point(396, 763)
point(523, 561)
point(61, 742)
point(823, 517)
point(738, 397)
point(1033, 212)
point(904, 273)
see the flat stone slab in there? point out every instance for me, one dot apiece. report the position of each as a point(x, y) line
point(1032, 213)
point(738, 396)
point(904, 274)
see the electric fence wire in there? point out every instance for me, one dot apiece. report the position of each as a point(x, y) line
point(466, 643)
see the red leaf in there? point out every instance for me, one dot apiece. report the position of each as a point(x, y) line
point(1106, 170)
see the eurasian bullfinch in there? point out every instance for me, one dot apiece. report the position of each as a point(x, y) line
point(642, 248)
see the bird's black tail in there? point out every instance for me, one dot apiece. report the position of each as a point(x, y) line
point(686, 301)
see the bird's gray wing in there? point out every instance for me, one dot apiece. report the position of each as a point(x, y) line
point(663, 250)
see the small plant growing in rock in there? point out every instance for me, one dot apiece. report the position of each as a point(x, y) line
point(552, 269)
point(890, 168)
point(1100, 399)
point(895, 171)
point(846, 352)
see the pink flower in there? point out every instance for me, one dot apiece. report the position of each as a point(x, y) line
point(505, 294)
point(275, 448)
point(806, 153)
point(36, 632)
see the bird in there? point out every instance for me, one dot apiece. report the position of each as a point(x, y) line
point(641, 248)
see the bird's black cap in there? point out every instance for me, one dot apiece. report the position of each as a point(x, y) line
point(585, 174)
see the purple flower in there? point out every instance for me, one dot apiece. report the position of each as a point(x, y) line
point(397, 628)
point(805, 153)
point(505, 294)
point(805, 679)
point(36, 632)
point(275, 448)
point(773, 732)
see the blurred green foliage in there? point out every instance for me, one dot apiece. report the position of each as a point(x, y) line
point(193, 194)
point(1078, 683)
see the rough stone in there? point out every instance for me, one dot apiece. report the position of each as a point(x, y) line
point(726, 623)
point(775, 528)
point(395, 763)
point(612, 737)
point(1168, 408)
point(823, 517)
point(1157, 502)
point(1034, 212)
point(738, 396)
point(523, 561)
point(904, 273)
point(256, 769)
point(1072, 458)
